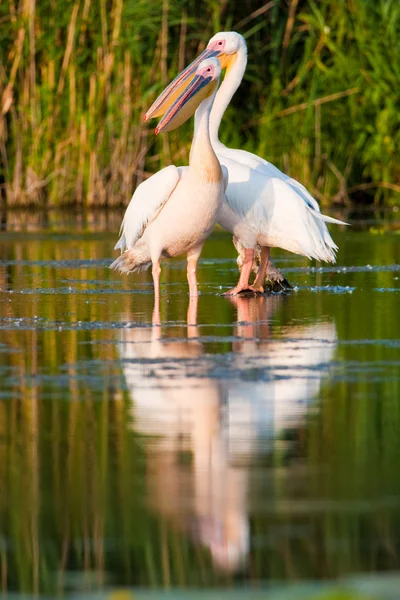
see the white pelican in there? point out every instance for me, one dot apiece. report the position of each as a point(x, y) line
point(264, 207)
point(176, 209)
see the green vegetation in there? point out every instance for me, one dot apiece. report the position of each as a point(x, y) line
point(320, 98)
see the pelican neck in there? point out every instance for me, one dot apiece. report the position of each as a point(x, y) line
point(230, 84)
point(201, 143)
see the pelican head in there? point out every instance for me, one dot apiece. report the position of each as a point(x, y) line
point(223, 46)
point(199, 87)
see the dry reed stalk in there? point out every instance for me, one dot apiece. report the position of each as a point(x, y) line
point(120, 182)
point(100, 191)
point(154, 67)
point(72, 95)
point(61, 82)
point(256, 13)
point(103, 24)
point(13, 12)
point(19, 44)
point(141, 135)
point(91, 196)
point(51, 75)
point(3, 154)
point(92, 103)
point(307, 67)
point(342, 193)
point(68, 48)
point(182, 41)
point(305, 151)
point(17, 179)
point(84, 21)
point(288, 30)
point(23, 115)
point(109, 50)
point(164, 43)
point(317, 130)
point(127, 104)
point(117, 13)
point(100, 60)
point(317, 102)
point(32, 62)
point(79, 188)
point(374, 184)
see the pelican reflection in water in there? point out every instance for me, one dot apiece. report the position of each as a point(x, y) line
point(220, 424)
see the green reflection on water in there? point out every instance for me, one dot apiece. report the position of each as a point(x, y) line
point(295, 404)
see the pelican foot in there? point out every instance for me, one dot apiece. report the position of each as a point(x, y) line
point(249, 290)
point(277, 286)
point(275, 281)
point(256, 289)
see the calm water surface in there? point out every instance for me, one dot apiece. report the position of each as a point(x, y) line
point(222, 443)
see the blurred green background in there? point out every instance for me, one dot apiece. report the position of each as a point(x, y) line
point(320, 96)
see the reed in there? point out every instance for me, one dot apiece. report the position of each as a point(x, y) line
point(320, 94)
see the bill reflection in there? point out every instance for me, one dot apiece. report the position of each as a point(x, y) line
point(208, 428)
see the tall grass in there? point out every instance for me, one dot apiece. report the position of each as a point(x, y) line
point(319, 97)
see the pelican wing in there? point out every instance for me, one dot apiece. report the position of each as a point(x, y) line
point(276, 210)
point(260, 165)
point(285, 216)
point(147, 201)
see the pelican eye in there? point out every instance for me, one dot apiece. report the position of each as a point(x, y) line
point(220, 43)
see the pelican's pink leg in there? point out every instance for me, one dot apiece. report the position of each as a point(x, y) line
point(192, 329)
point(192, 258)
point(191, 276)
point(156, 318)
point(258, 282)
point(243, 283)
point(156, 270)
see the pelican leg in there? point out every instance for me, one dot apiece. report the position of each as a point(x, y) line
point(243, 283)
point(155, 271)
point(192, 329)
point(156, 318)
point(258, 282)
point(192, 258)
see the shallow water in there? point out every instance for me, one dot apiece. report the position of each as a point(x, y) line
point(259, 446)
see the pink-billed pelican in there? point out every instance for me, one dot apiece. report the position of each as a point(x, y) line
point(264, 207)
point(175, 210)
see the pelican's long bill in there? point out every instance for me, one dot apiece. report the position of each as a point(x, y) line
point(197, 89)
point(175, 88)
point(216, 48)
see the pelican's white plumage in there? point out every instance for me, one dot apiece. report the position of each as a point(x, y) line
point(146, 203)
point(273, 215)
point(263, 207)
point(175, 210)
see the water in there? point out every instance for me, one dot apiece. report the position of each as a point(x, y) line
point(257, 448)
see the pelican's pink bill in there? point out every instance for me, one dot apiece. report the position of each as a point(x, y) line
point(174, 89)
point(199, 87)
